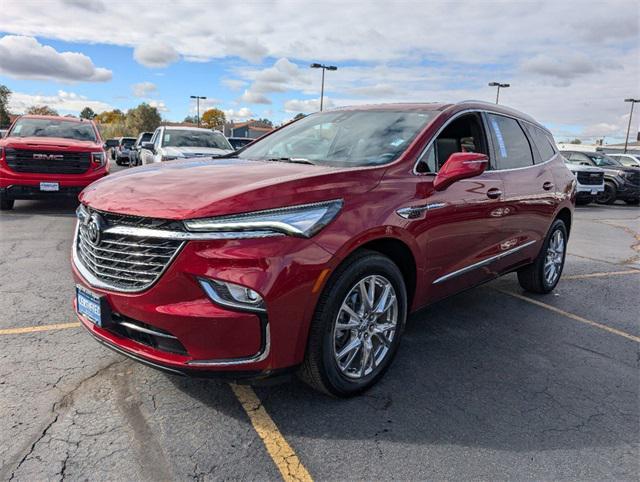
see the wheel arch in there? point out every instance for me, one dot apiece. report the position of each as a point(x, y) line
point(566, 217)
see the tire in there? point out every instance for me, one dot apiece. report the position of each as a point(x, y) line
point(320, 368)
point(6, 204)
point(632, 202)
point(608, 196)
point(533, 277)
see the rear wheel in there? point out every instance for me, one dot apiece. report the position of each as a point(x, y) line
point(608, 196)
point(6, 204)
point(357, 326)
point(543, 274)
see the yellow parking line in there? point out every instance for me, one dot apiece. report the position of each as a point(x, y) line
point(33, 329)
point(572, 316)
point(601, 275)
point(278, 448)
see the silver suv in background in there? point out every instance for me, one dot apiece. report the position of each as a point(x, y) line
point(590, 182)
point(169, 143)
point(629, 160)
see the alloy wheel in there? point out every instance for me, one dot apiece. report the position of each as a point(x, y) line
point(365, 327)
point(554, 257)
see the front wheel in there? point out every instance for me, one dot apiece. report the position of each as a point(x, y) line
point(608, 196)
point(6, 204)
point(543, 274)
point(357, 326)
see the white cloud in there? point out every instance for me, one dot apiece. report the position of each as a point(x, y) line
point(25, 58)
point(254, 98)
point(243, 113)
point(143, 89)
point(308, 105)
point(64, 102)
point(205, 104)
point(155, 54)
point(158, 104)
point(233, 84)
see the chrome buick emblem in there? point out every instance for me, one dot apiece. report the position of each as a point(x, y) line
point(48, 157)
point(94, 227)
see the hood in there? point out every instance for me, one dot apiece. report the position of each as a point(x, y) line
point(52, 143)
point(618, 169)
point(581, 168)
point(194, 151)
point(199, 188)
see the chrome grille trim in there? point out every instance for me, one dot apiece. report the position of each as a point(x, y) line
point(120, 263)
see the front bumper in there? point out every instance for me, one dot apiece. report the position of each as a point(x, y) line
point(218, 339)
point(627, 191)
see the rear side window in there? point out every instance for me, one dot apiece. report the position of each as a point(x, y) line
point(542, 142)
point(510, 143)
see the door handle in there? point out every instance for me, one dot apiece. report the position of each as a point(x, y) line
point(494, 193)
point(547, 186)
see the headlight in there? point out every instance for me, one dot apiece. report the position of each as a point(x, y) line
point(98, 158)
point(232, 295)
point(303, 221)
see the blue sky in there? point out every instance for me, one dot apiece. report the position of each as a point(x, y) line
point(251, 59)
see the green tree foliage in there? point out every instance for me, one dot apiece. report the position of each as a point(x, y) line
point(143, 118)
point(110, 117)
point(190, 119)
point(5, 93)
point(213, 119)
point(262, 123)
point(41, 110)
point(87, 113)
point(299, 116)
point(575, 141)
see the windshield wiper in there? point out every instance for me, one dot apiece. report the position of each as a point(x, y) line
point(293, 160)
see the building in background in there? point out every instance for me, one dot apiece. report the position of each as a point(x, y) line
point(245, 129)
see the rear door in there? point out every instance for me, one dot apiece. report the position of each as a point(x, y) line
point(529, 190)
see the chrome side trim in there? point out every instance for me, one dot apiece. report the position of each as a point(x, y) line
point(133, 326)
point(482, 263)
point(414, 212)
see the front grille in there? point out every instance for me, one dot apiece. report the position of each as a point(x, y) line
point(633, 177)
point(590, 178)
point(126, 262)
point(22, 160)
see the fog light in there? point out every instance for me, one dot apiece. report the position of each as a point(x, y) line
point(232, 295)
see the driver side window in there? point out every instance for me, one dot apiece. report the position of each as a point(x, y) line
point(464, 134)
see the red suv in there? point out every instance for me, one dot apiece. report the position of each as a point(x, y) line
point(309, 248)
point(45, 156)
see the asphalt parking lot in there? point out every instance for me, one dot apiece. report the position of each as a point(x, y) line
point(490, 384)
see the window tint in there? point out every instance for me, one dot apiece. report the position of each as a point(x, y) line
point(37, 127)
point(510, 143)
point(542, 142)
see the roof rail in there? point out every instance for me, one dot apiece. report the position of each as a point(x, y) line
point(475, 101)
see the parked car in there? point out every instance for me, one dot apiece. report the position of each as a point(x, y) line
point(49, 156)
point(621, 182)
point(170, 143)
point(590, 182)
point(121, 151)
point(134, 152)
point(239, 142)
point(628, 160)
point(309, 249)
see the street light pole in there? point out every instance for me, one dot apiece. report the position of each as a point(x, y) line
point(323, 67)
point(626, 139)
point(498, 85)
point(198, 97)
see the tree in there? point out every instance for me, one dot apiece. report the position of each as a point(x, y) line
point(213, 119)
point(5, 93)
point(190, 119)
point(110, 117)
point(575, 141)
point(87, 113)
point(299, 116)
point(143, 118)
point(262, 123)
point(41, 110)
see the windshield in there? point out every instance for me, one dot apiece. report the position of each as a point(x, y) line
point(188, 138)
point(80, 131)
point(343, 138)
point(602, 160)
point(128, 141)
point(631, 161)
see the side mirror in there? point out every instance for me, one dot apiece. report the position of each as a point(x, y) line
point(583, 163)
point(110, 143)
point(460, 165)
point(148, 146)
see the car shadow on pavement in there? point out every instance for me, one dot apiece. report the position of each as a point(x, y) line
point(44, 207)
point(476, 370)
